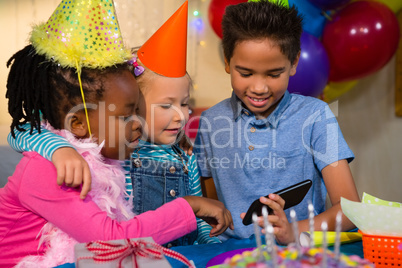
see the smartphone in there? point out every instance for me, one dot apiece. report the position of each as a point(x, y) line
point(292, 195)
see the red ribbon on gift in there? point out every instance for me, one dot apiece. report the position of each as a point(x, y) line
point(107, 251)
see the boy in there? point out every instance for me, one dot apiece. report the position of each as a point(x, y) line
point(264, 138)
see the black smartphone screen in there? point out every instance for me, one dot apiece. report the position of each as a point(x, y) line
point(292, 195)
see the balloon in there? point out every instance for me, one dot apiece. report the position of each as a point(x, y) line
point(394, 5)
point(191, 128)
point(215, 13)
point(360, 40)
point(313, 70)
point(192, 125)
point(334, 90)
point(329, 4)
point(313, 20)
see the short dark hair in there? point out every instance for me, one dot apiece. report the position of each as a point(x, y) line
point(38, 88)
point(260, 20)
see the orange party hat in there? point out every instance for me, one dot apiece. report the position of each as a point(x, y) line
point(165, 51)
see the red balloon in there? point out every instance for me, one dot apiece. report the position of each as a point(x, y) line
point(216, 11)
point(360, 40)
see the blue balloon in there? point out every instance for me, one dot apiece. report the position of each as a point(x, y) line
point(312, 72)
point(313, 19)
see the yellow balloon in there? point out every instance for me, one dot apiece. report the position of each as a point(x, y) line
point(394, 5)
point(334, 90)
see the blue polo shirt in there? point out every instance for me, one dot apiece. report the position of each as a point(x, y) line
point(249, 158)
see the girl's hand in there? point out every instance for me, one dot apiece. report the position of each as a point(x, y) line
point(211, 211)
point(72, 169)
point(283, 230)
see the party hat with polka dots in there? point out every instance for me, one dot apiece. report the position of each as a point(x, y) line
point(81, 33)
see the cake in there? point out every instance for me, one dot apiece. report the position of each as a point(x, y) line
point(287, 257)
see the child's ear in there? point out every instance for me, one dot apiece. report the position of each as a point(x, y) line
point(227, 66)
point(76, 123)
point(294, 65)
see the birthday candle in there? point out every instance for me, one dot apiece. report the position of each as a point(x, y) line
point(295, 231)
point(266, 224)
point(338, 235)
point(269, 237)
point(311, 223)
point(324, 228)
point(257, 234)
point(274, 257)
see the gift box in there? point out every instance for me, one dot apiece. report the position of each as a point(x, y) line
point(136, 252)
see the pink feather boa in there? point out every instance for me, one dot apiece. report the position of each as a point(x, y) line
point(107, 191)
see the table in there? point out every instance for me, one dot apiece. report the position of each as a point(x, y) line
point(201, 254)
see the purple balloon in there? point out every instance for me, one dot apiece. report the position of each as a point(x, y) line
point(329, 4)
point(313, 69)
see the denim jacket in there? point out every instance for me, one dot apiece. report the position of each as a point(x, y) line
point(156, 182)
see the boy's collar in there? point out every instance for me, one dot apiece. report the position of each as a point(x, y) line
point(272, 119)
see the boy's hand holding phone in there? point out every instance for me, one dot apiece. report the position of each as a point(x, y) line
point(283, 229)
point(276, 203)
point(291, 196)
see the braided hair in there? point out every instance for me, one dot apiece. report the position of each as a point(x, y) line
point(40, 89)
